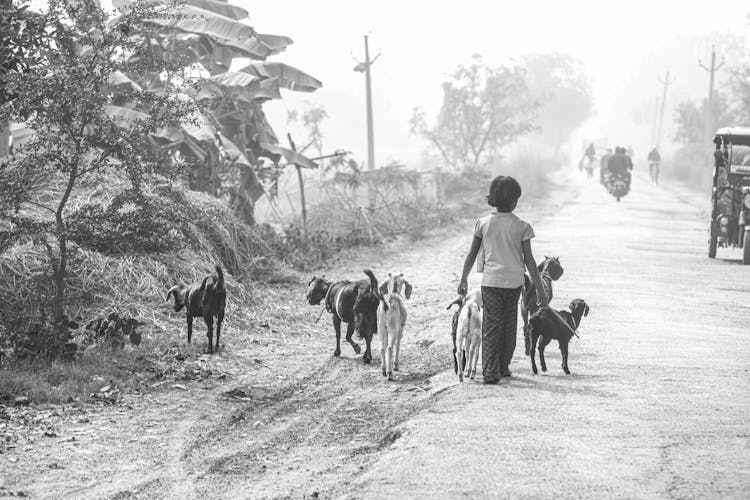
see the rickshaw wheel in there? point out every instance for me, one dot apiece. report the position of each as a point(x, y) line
point(712, 243)
point(746, 249)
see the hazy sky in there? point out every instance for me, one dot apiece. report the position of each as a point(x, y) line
point(421, 41)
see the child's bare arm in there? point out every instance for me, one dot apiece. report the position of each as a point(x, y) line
point(476, 243)
point(528, 259)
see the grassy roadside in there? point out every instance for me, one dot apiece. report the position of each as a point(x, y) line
point(261, 308)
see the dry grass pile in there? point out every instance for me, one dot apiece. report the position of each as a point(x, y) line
point(134, 284)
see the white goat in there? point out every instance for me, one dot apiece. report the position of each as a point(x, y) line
point(469, 334)
point(391, 322)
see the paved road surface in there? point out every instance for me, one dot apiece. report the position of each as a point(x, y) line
point(658, 403)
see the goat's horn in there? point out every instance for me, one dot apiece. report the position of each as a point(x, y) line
point(174, 290)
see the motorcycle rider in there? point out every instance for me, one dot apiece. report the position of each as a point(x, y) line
point(620, 164)
point(654, 158)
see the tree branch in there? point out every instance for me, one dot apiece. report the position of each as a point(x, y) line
point(40, 206)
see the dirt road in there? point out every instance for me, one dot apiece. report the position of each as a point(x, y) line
point(656, 405)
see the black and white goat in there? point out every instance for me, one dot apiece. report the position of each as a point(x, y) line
point(206, 299)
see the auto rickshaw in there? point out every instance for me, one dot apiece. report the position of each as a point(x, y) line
point(730, 195)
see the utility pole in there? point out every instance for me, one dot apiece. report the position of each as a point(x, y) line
point(709, 104)
point(666, 82)
point(364, 67)
point(655, 121)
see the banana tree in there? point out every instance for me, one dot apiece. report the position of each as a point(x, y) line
point(210, 34)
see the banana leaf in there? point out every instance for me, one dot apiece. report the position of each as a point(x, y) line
point(201, 133)
point(220, 7)
point(289, 76)
point(20, 133)
point(118, 78)
point(192, 19)
point(234, 79)
point(291, 157)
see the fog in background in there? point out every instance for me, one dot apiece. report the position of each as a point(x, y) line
point(624, 46)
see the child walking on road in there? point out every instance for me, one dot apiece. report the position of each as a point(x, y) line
point(505, 243)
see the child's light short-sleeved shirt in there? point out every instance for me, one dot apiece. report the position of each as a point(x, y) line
point(501, 259)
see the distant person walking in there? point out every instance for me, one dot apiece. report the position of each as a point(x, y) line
point(591, 151)
point(505, 243)
point(654, 159)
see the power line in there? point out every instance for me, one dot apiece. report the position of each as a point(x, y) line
point(666, 82)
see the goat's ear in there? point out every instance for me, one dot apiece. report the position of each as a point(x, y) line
point(384, 288)
point(407, 289)
point(586, 309)
point(311, 280)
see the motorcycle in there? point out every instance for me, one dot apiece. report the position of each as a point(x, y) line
point(618, 184)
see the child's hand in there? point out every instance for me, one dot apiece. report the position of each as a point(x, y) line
point(462, 287)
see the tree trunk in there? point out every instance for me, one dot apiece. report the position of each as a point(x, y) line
point(244, 209)
point(4, 139)
point(62, 240)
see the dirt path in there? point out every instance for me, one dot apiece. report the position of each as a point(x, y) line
point(657, 403)
point(285, 419)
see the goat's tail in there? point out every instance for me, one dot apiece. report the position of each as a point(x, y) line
point(458, 302)
point(220, 281)
point(375, 289)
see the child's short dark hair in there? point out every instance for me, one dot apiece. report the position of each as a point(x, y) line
point(504, 193)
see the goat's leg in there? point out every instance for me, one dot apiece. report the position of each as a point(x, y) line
point(190, 327)
point(219, 321)
point(337, 328)
point(367, 357)
point(461, 359)
point(383, 347)
point(477, 349)
point(473, 352)
point(542, 345)
point(455, 357)
point(564, 352)
point(532, 353)
point(397, 347)
point(526, 332)
point(210, 333)
point(389, 355)
point(349, 333)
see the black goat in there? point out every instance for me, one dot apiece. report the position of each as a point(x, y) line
point(204, 299)
point(547, 324)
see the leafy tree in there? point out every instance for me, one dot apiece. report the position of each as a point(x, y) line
point(690, 118)
point(85, 123)
point(484, 109)
point(739, 84)
point(23, 35)
point(311, 118)
point(559, 83)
